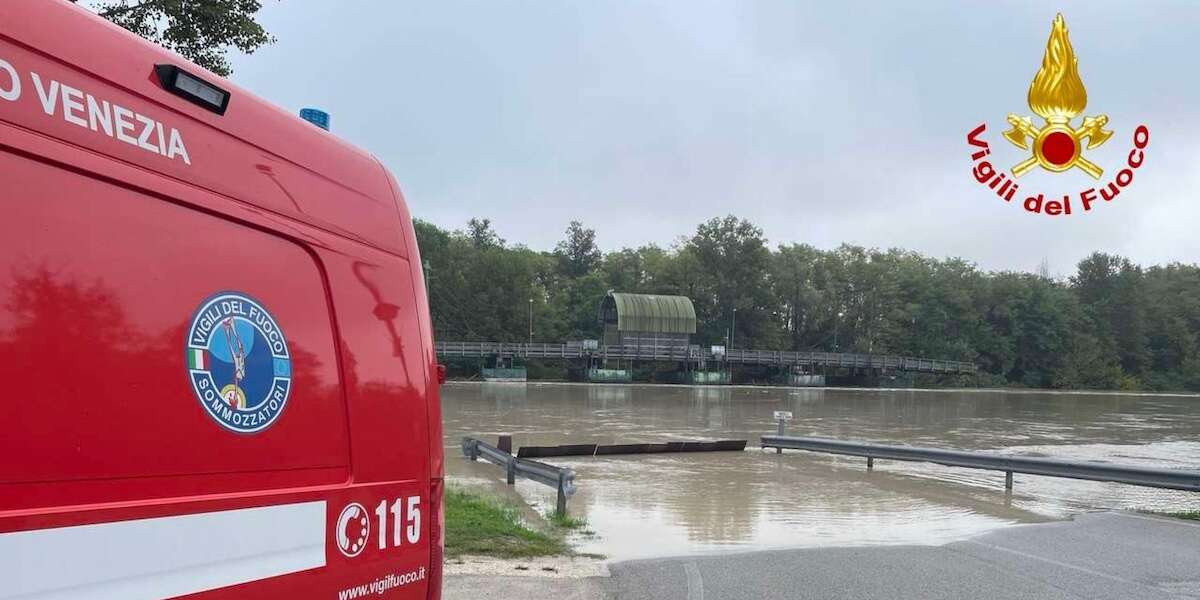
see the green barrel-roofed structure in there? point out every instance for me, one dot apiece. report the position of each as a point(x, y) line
point(647, 320)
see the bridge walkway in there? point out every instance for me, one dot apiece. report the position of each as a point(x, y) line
point(704, 357)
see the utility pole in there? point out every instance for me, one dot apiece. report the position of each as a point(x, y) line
point(531, 320)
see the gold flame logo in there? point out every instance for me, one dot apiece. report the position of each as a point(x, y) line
point(1057, 96)
point(1057, 92)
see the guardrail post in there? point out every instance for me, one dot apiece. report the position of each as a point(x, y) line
point(781, 432)
point(870, 463)
point(471, 447)
point(1008, 481)
point(510, 469)
point(560, 507)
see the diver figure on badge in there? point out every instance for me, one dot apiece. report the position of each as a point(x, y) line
point(232, 393)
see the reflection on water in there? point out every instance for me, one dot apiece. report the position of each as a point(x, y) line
point(668, 504)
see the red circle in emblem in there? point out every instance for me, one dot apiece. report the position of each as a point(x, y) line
point(1058, 148)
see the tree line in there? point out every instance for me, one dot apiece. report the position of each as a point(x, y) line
point(1110, 325)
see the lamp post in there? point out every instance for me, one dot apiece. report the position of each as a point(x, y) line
point(733, 328)
point(836, 321)
point(531, 320)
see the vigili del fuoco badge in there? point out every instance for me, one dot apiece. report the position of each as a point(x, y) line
point(1057, 97)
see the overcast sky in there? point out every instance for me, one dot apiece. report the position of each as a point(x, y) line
point(822, 123)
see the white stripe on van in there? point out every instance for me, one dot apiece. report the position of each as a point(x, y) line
point(162, 557)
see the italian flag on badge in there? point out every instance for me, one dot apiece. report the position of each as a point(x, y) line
point(198, 359)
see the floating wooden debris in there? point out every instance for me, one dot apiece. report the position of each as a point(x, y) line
point(611, 449)
point(567, 450)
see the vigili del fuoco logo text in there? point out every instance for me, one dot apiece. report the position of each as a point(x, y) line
point(1057, 96)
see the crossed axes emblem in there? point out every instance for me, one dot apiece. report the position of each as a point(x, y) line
point(1023, 131)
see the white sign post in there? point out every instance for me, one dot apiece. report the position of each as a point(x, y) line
point(783, 416)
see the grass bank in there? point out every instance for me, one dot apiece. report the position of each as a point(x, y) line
point(482, 525)
point(1191, 515)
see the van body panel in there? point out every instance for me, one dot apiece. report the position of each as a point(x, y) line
point(109, 249)
point(127, 531)
point(94, 315)
point(255, 152)
point(428, 358)
point(382, 358)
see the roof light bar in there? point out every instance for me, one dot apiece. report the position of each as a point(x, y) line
point(192, 88)
point(316, 116)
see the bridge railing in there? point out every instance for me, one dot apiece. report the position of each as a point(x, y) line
point(695, 353)
point(666, 353)
point(848, 360)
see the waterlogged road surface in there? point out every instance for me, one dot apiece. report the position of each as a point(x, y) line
point(677, 504)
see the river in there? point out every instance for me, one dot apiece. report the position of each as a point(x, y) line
point(673, 504)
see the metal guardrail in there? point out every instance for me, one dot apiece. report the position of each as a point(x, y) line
point(1050, 467)
point(559, 478)
point(696, 353)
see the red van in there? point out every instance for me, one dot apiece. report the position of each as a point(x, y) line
point(216, 354)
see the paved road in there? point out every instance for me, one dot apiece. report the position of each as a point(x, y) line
point(500, 587)
point(1115, 556)
point(1103, 556)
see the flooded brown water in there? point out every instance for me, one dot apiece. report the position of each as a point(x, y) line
point(670, 504)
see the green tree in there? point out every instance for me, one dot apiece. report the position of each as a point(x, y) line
point(624, 270)
point(1041, 333)
point(578, 254)
point(1172, 326)
point(1111, 291)
point(200, 30)
point(731, 260)
point(482, 235)
point(800, 302)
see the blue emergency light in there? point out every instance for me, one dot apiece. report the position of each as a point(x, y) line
point(316, 116)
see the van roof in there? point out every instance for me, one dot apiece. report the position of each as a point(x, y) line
point(284, 164)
